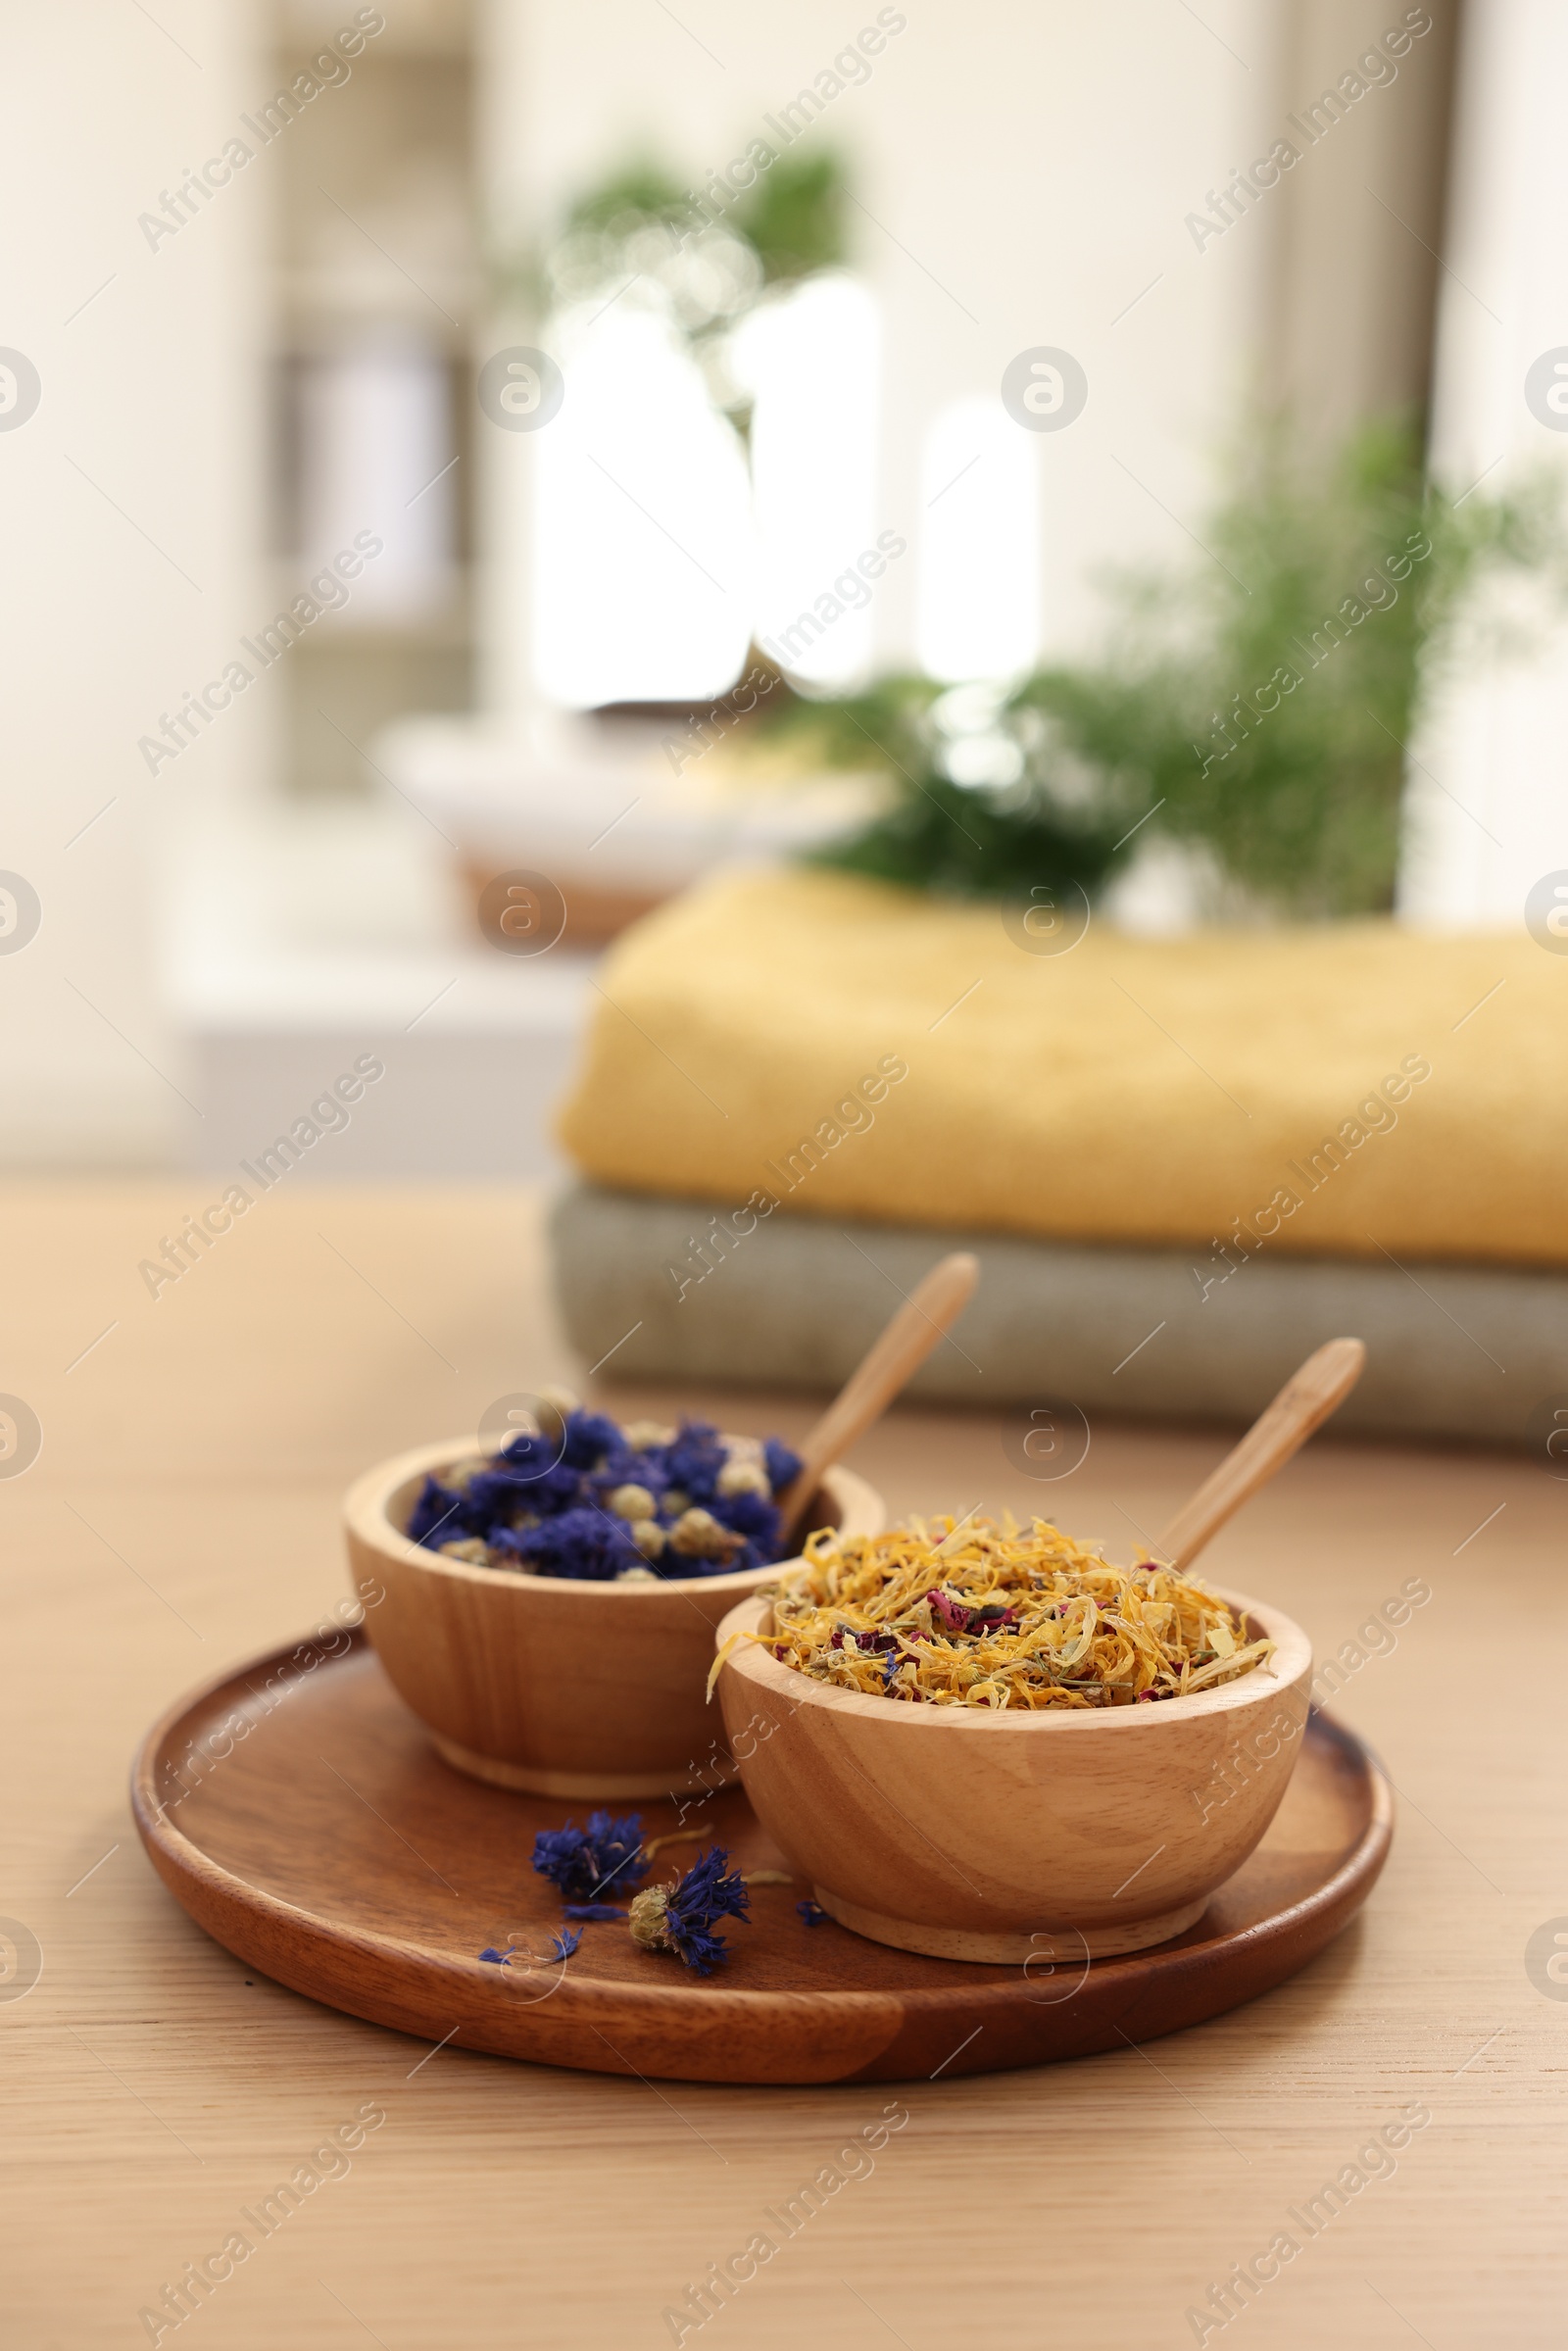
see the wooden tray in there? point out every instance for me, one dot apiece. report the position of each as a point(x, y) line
point(327, 1845)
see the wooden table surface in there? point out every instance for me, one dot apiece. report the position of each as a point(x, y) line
point(182, 1515)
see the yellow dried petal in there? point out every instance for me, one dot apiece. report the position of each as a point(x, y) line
point(1064, 1628)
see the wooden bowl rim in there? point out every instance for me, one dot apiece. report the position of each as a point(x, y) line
point(365, 1515)
point(1283, 1673)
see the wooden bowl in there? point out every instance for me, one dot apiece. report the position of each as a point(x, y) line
point(540, 1683)
point(1008, 1837)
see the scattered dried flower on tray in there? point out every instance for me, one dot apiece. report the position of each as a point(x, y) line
point(611, 1855)
point(581, 1498)
point(680, 1918)
point(562, 1949)
point(976, 1614)
point(582, 1864)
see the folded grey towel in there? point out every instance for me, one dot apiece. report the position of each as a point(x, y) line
point(1058, 1328)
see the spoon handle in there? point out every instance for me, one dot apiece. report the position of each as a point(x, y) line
point(1302, 1404)
point(926, 1315)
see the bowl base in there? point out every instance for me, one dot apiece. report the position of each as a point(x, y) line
point(535, 1780)
point(1047, 1946)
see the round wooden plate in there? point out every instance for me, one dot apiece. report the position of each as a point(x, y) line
point(301, 1816)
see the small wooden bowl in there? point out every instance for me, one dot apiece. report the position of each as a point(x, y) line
point(1009, 1837)
point(543, 1684)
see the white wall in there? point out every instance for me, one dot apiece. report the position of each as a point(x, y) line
point(1488, 811)
point(1028, 170)
point(127, 525)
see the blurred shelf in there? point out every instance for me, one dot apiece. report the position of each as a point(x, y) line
point(302, 938)
point(352, 636)
point(376, 281)
point(286, 988)
point(478, 1050)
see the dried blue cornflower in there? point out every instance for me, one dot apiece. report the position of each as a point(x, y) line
point(565, 1942)
point(783, 1467)
point(587, 1544)
point(812, 1912)
point(590, 1440)
point(542, 1505)
point(591, 1910)
point(680, 1918)
point(695, 1459)
point(581, 1862)
point(747, 1514)
point(440, 1515)
point(495, 1957)
point(497, 1494)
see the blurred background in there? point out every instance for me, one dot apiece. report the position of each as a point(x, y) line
point(415, 420)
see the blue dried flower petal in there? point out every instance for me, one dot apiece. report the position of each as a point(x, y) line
point(440, 1515)
point(526, 1458)
point(695, 1459)
point(507, 1542)
point(561, 1487)
point(617, 1849)
point(589, 1438)
point(495, 1957)
point(703, 1894)
point(747, 1514)
point(559, 1854)
point(671, 1563)
point(587, 1545)
point(591, 1910)
point(783, 1467)
point(581, 1862)
point(812, 1912)
point(565, 1942)
point(497, 1496)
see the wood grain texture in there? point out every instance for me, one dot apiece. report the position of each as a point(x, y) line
point(889, 1363)
point(1305, 1403)
point(960, 1831)
point(265, 1802)
point(185, 1511)
point(538, 1681)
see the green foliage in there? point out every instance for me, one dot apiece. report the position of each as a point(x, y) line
point(1258, 705)
point(792, 215)
point(1267, 700)
point(640, 191)
point(639, 237)
point(795, 217)
point(639, 233)
point(980, 802)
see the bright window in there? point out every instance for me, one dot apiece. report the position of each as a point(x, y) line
point(979, 585)
point(810, 361)
point(643, 544)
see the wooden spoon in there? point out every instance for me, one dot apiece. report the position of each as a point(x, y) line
point(1302, 1404)
point(926, 1315)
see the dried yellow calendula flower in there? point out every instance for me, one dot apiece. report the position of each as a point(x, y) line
point(976, 1614)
